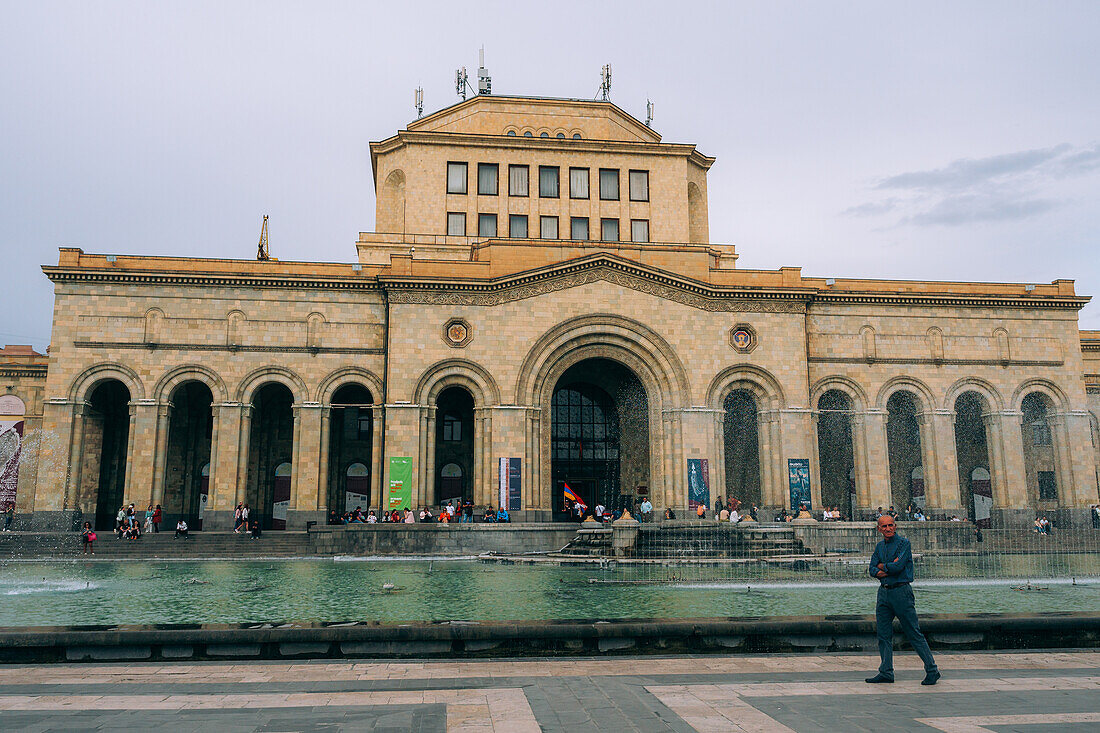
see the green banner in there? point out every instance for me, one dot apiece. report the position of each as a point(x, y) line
point(399, 495)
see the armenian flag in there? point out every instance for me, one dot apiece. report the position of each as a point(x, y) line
point(572, 497)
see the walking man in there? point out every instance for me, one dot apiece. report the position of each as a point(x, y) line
point(892, 565)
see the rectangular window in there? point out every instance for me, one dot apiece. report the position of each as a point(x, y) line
point(452, 428)
point(363, 423)
point(639, 230)
point(578, 227)
point(1048, 486)
point(1040, 433)
point(639, 185)
point(517, 226)
point(456, 178)
point(578, 183)
point(456, 224)
point(548, 181)
point(609, 230)
point(517, 180)
point(548, 227)
point(486, 179)
point(609, 184)
point(486, 225)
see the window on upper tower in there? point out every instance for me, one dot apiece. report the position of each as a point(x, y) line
point(576, 136)
point(517, 180)
point(548, 227)
point(578, 183)
point(639, 185)
point(517, 226)
point(548, 181)
point(456, 178)
point(639, 230)
point(578, 227)
point(560, 136)
point(609, 184)
point(609, 230)
point(511, 133)
point(486, 225)
point(487, 179)
point(544, 134)
point(456, 224)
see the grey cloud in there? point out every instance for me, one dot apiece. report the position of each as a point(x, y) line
point(873, 208)
point(1084, 161)
point(966, 172)
point(980, 208)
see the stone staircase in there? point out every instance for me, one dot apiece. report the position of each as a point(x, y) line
point(156, 546)
point(701, 540)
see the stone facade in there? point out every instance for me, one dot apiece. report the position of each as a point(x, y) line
point(309, 368)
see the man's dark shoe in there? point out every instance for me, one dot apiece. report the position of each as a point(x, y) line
point(880, 679)
point(931, 678)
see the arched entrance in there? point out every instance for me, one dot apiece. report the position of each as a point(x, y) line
point(454, 446)
point(1040, 460)
point(271, 445)
point(740, 431)
point(972, 452)
point(904, 447)
point(599, 435)
point(836, 455)
point(189, 434)
point(106, 440)
point(351, 435)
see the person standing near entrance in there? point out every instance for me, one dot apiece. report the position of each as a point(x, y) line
point(892, 566)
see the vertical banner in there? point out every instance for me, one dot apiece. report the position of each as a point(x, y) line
point(510, 485)
point(798, 476)
point(698, 482)
point(982, 489)
point(399, 493)
point(916, 487)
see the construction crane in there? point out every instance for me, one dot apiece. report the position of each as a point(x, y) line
point(261, 251)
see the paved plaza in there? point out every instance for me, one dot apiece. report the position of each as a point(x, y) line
point(1033, 692)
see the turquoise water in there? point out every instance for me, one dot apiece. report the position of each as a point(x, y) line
point(80, 593)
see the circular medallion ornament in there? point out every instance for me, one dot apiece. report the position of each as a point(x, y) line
point(743, 338)
point(456, 333)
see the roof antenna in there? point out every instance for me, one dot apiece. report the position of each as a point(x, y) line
point(605, 82)
point(461, 82)
point(648, 113)
point(484, 81)
point(261, 250)
point(418, 101)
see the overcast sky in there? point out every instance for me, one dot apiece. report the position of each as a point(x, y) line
point(920, 140)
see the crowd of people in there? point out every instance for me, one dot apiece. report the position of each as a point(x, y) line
point(128, 525)
point(447, 514)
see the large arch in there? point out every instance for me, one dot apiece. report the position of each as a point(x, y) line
point(836, 450)
point(271, 447)
point(104, 461)
point(751, 378)
point(1057, 396)
point(973, 455)
point(926, 399)
point(182, 489)
point(992, 396)
point(176, 376)
point(88, 379)
point(349, 436)
point(348, 375)
point(456, 372)
point(848, 386)
point(255, 379)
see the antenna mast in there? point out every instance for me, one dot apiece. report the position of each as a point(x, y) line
point(605, 82)
point(484, 81)
point(261, 250)
point(461, 83)
point(418, 101)
point(648, 113)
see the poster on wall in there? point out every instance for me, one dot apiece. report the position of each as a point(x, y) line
point(698, 482)
point(798, 476)
point(982, 488)
point(510, 484)
point(399, 492)
point(11, 446)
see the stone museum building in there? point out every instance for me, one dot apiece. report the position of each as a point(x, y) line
point(541, 306)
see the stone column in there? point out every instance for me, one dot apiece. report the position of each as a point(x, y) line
point(75, 459)
point(877, 458)
point(402, 439)
point(430, 469)
point(323, 462)
point(215, 419)
point(1073, 442)
point(141, 453)
point(859, 462)
point(718, 473)
point(945, 461)
point(305, 497)
point(160, 450)
point(377, 474)
point(1007, 450)
point(483, 463)
point(243, 441)
point(772, 460)
point(795, 429)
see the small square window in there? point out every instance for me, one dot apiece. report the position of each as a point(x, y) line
point(639, 230)
point(548, 181)
point(364, 423)
point(548, 227)
point(609, 230)
point(578, 227)
point(639, 185)
point(609, 184)
point(486, 225)
point(517, 180)
point(456, 224)
point(578, 183)
point(517, 226)
point(487, 179)
point(452, 428)
point(456, 178)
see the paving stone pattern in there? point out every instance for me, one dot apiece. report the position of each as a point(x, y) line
point(1031, 692)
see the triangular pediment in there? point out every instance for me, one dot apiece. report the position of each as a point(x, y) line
point(600, 267)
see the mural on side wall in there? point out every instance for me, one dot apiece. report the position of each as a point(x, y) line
point(11, 447)
point(698, 483)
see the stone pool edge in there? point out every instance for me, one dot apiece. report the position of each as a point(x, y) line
point(474, 639)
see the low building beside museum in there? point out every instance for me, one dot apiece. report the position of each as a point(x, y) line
point(542, 289)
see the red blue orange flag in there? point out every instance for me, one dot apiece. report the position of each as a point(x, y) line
point(572, 496)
